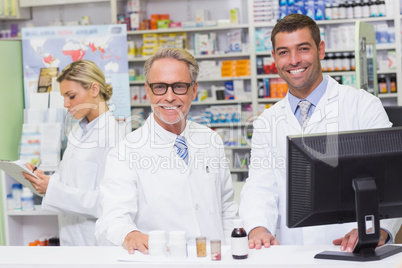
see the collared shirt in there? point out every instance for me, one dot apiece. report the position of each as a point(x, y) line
point(165, 135)
point(87, 126)
point(313, 98)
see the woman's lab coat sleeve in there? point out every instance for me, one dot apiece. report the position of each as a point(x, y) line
point(82, 201)
point(65, 199)
point(118, 200)
point(259, 195)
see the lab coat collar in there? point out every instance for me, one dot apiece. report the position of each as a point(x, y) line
point(325, 107)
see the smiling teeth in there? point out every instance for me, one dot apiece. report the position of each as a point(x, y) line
point(297, 71)
point(170, 108)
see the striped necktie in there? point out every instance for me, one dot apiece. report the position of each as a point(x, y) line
point(304, 107)
point(181, 148)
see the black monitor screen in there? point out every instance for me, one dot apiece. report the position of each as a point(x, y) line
point(329, 173)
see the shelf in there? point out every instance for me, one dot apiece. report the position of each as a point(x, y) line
point(237, 124)
point(224, 78)
point(139, 105)
point(37, 3)
point(389, 46)
point(386, 71)
point(331, 50)
point(242, 147)
point(11, 38)
point(328, 22)
point(262, 76)
point(196, 29)
point(202, 57)
point(142, 82)
point(30, 213)
point(388, 95)
point(338, 73)
point(268, 100)
point(343, 21)
point(137, 82)
point(238, 170)
point(263, 53)
point(219, 102)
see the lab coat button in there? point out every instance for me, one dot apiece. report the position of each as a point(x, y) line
point(196, 206)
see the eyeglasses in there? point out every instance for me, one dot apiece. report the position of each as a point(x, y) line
point(179, 88)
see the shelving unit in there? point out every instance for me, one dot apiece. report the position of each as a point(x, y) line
point(23, 227)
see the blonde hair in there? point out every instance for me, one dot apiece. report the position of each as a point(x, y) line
point(174, 53)
point(86, 73)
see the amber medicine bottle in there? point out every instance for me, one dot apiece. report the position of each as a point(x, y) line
point(239, 240)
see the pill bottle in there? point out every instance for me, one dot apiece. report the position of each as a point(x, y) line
point(157, 244)
point(27, 199)
point(345, 62)
point(216, 250)
point(201, 243)
point(17, 192)
point(239, 240)
point(10, 202)
point(177, 245)
point(393, 84)
point(382, 84)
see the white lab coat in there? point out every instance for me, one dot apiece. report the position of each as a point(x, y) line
point(263, 197)
point(73, 190)
point(147, 186)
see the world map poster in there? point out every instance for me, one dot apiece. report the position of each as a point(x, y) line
point(56, 47)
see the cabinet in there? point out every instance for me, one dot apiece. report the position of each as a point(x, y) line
point(23, 227)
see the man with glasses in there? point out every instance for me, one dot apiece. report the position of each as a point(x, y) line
point(170, 174)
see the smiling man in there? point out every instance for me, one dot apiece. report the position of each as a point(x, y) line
point(170, 174)
point(314, 104)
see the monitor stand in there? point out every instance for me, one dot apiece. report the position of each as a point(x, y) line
point(368, 223)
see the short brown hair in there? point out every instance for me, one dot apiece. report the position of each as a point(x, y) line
point(293, 22)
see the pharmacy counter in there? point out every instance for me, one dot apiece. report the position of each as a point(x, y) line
point(276, 256)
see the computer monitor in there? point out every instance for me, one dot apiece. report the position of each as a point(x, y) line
point(395, 115)
point(346, 177)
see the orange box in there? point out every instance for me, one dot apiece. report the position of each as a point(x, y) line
point(227, 62)
point(227, 74)
point(164, 16)
point(243, 62)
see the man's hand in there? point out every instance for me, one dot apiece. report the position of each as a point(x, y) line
point(39, 185)
point(260, 236)
point(348, 242)
point(136, 240)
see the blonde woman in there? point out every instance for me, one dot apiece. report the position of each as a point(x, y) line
point(73, 190)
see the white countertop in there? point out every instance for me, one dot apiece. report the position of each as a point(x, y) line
point(276, 256)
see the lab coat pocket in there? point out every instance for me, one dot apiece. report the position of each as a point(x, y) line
point(86, 174)
point(214, 190)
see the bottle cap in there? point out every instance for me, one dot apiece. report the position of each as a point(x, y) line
point(26, 191)
point(177, 236)
point(238, 223)
point(158, 236)
point(17, 186)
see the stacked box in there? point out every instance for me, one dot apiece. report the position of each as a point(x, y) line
point(278, 88)
point(242, 68)
point(236, 68)
point(205, 44)
point(150, 44)
point(167, 40)
point(136, 13)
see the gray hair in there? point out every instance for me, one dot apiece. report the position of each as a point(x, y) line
point(173, 53)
